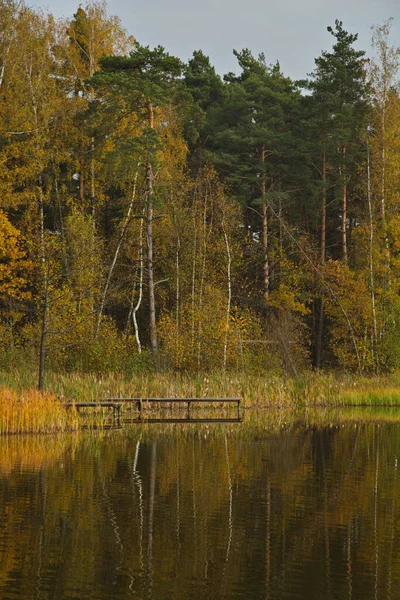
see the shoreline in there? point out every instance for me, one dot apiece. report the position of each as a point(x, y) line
point(25, 410)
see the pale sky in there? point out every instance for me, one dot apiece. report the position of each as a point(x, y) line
point(291, 31)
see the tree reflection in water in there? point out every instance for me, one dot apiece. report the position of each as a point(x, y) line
point(305, 512)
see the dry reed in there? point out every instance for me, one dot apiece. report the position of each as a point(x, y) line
point(29, 411)
point(33, 412)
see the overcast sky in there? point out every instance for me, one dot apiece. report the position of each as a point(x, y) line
point(291, 31)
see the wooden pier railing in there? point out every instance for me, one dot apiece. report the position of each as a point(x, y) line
point(117, 403)
point(141, 402)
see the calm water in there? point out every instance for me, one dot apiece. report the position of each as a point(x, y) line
point(299, 512)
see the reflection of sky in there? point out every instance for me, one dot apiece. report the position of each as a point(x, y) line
point(291, 31)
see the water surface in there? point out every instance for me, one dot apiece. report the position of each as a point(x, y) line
point(300, 511)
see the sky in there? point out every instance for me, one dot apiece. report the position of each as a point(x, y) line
point(290, 31)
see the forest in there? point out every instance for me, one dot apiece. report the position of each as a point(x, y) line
point(155, 215)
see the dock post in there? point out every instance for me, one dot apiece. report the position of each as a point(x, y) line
point(139, 407)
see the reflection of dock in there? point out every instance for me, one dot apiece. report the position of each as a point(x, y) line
point(143, 404)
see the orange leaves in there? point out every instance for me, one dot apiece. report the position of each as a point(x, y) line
point(14, 267)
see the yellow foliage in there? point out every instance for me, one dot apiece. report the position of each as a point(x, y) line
point(14, 266)
point(198, 341)
point(172, 155)
point(284, 299)
point(348, 306)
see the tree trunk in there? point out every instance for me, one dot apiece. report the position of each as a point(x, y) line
point(139, 302)
point(116, 253)
point(318, 350)
point(194, 273)
point(206, 239)
point(383, 186)
point(178, 290)
point(344, 208)
point(149, 238)
point(264, 222)
point(92, 142)
point(323, 215)
point(93, 186)
point(133, 309)
point(150, 265)
point(43, 258)
point(344, 221)
point(61, 218)
point(82, 181)
point(383, 158)
point(371, 256)
point(229, 282)
point(43, 335)
point(265, 250)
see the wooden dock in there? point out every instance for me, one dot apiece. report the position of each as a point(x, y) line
point(116, 406)
point(141, 404)
point(189, 402)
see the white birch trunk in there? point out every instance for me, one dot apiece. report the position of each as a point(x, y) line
point(371, 246)
point(116, 253)
point(229, 282)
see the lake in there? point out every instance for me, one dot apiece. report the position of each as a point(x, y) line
point(305, 509)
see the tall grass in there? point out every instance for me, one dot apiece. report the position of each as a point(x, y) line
point(22, 411)
point(260, 391)
point(33, 412)
point(379, 396)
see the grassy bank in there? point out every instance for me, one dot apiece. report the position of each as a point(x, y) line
point(24, 410)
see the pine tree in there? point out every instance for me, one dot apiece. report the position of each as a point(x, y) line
point(252, 143)
point(341, 101)
point(144, 82)
point(338, 115)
